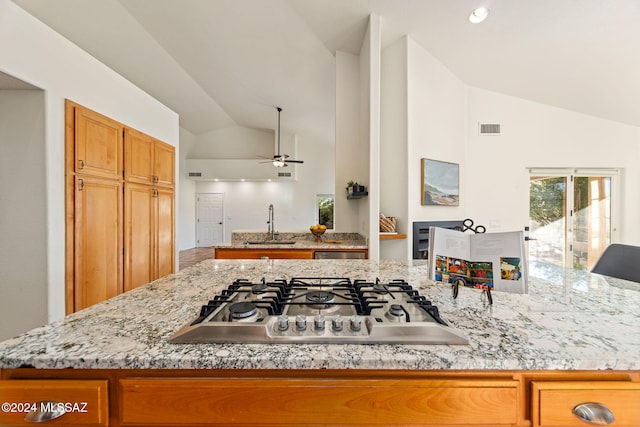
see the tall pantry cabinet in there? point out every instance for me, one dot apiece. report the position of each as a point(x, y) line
point(119, 208)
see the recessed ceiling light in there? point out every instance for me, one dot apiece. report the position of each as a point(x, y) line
point(478, 15)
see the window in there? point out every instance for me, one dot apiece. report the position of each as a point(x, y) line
point(324, 210)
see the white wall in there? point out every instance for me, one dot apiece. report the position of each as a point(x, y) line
point(23, 242)
point(442, 123)
point(349, 160)
point(186, 203)
point(370, 60)
point(437, 129)
point(537, 135)
point(394, 199)
point(246, 203)
point(33, 52)
point(236, 142)
point(358, 135)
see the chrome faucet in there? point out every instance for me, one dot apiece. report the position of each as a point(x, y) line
point(271, 229)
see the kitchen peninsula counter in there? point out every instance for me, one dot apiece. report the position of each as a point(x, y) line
point(301, 240)
point(570, 320)
point(299, 244)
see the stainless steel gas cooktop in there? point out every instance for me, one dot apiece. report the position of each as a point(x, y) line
point(319, 310)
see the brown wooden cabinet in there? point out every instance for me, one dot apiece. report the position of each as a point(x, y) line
point(98, 236)
point(147, 160)
point(555, 403)
point(120, 208)
point(164, 232)
point(164, 164)
point(258, 253)
point(138, 235)
point(149, 234)
point(276, 397)
point(274, 253)
point(330, 401)
point(86, 402)
point(97, 144)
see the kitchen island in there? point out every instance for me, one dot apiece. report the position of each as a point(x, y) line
point(574, 336)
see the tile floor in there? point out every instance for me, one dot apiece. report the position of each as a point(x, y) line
point(193, 256)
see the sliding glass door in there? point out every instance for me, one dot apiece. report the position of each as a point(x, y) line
point(570, 215)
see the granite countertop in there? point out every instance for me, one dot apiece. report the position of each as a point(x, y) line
point(570, 320)
point(302, 239)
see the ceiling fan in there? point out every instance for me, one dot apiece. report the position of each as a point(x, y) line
point(281, 160)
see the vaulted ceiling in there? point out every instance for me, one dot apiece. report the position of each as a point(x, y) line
point(221, 63)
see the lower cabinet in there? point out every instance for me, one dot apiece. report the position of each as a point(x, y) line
point(55, 402)
point(580, 403)
point(313, 402)
point(241, 253)
point(275, 253)
point(167, 397)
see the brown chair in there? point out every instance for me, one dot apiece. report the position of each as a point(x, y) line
point(619, 261)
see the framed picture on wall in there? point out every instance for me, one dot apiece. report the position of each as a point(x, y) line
point(440, 183)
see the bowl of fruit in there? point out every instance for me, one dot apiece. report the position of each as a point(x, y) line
point(318, 230)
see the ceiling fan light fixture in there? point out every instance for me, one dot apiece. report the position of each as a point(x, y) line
point(279, 163)
point(478, 15)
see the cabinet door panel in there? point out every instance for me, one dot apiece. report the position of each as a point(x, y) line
point(164, 164)
point(138, 235)
point(164, 232)
point(98, 145)
point(138, 159)
point(85, 401)
point(317, 402)
point(98, 240)
point(553, 401)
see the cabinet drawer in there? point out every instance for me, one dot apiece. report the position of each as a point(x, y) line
point(553, 402)
point(85, 401)
point(315, 402)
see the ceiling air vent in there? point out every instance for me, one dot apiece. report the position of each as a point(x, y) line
point(284, 174)
point(489, 129)
point(195, 173)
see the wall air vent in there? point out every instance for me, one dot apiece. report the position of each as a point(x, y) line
point(195, 173)
point(284, 174)
point(489, 129)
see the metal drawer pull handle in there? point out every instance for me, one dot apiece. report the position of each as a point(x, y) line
point(594, 413)
point(47, 410)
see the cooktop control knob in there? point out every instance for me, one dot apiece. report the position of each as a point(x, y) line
point(283, 323)
point(336, 323)
point(318, 322)
point(356, 323)
point(301, 322)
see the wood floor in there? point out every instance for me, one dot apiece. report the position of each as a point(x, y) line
point(193, 256)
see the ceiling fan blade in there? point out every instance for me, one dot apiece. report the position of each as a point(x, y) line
point(294, 161)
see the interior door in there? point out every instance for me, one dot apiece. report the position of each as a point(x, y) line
point(209, 219)
point(570, 216)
